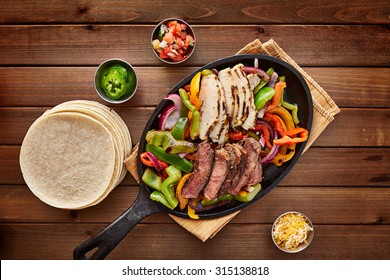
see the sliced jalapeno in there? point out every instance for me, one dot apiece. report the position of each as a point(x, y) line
point(114, 85)
point(117, 69)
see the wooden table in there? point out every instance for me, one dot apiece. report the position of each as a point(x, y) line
point(49, 51)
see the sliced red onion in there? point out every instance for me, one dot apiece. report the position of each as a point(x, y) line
point(215, 71)
point(273, 79)
point(171, 113)
point(258, 71)
point(256, 63)
point(155, 161)
point(270, 156)
point(271, 130)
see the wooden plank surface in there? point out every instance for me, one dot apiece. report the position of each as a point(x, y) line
point(24, 86)
point(361, 11)
point(359, 206)
point(326, 45)
point(363, 167)
point(364, 127)
point(57, 241)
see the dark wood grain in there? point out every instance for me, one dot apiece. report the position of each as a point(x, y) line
point(247, 241)
point(24, 86)
point(364, 127)
point(326, 45)
point(223, 11)
point(18, 204)
point(333, 167)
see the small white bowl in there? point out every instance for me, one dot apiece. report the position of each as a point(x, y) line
point(98, 79)
point(301, 246)
point(190, 31)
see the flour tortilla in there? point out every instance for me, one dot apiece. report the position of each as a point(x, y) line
point(68, 159)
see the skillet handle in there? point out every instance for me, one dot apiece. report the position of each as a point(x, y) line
point(107, 239)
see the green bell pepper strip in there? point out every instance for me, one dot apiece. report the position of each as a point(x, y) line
point(151, 179)
point(263, 96)
point(114, 85)
point(195, 122)
point(165, 140)
point(180, 128)
point(181, 163)
point(167, 187)
point(212, 202)
point(159, 197)
point(292, 107)
point(249, 196)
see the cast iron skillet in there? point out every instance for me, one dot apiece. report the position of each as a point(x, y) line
point(297, 92)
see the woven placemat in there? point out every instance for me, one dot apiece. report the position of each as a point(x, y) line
point(324, 111)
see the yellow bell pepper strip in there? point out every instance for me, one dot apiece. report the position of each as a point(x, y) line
point(151, 179)
point(195, 119)
point(190, 211)
point(212, 202)
point(159, 197)
point(287, 140)
point(183, 201)
point(284, 115)
point(180, 128)
point(281, 158)
point(167, 187)
point(181, 163)
point(165, 140)
point(195, 86)
point(250, 195)
point(292, 107)
point(279, 86)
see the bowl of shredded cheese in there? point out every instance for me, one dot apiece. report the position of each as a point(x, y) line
point(292, 232)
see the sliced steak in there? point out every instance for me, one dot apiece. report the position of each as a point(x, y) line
point(202, 170)
point(258, 171)
point(234, 161)
point(218, 175)
point(240, 169)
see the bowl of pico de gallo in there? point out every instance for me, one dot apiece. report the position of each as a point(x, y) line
point(173, 41)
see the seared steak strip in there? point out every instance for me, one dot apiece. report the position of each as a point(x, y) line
point(218, 175)
point(234, 161)
point(240, 168)
point(258, 171)
point(202, 170)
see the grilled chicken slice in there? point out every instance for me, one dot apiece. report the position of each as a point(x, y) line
point(221, 169)
point(254, 80)
point(216, 132)
point(202, 170)
point(250, 121)
point(239, 95)
point(209, 95)
point(226, 79)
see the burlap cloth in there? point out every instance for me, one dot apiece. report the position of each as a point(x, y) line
point(324, 110)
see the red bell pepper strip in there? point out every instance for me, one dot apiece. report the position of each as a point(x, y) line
point(235, 135)
point(266, 134)
point(287, 140)
point(146, 160)
point(276, 122)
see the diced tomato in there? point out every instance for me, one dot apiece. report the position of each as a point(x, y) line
point(166, 50)
point(163, 55)
point(168, 37)
point(172, 23)
point(183, 26)
point(187, 88)
point(178, 57)
point(178, 29)
point(180, 42)
point(176, 46)
point(183, 35)
point(180, 51)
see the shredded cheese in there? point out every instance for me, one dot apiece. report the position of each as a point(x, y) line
point(291, 230)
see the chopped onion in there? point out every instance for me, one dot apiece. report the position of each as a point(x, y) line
point(256, 64)
point(273, 79)
point(258, 71)
point(171, 113)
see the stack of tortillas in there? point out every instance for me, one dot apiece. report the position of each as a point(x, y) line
point(72, 156)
